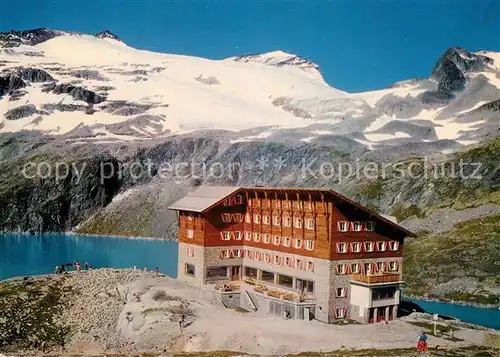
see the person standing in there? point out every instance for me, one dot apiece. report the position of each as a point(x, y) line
point(157, 271)
point(422, 342)
point(86, 266)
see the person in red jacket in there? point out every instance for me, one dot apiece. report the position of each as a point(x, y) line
point(422, 343)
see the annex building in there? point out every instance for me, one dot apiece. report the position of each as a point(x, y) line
point(297, 252)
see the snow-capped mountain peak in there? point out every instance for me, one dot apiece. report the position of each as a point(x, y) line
point(278, 59)
point(86, 87)
point(108, 35)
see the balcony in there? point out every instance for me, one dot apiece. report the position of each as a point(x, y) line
point(377, 279)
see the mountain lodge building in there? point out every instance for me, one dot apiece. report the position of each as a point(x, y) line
point(297, 252)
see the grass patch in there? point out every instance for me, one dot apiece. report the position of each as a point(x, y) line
point(29, 316)
point(472, 250)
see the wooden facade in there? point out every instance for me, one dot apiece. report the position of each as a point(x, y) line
point(293, 214)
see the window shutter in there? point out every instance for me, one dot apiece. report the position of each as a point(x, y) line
point(397, 245)
point(344, 310)
point(337, 268)
point(338, 248)
point(349, 269)
point(375, 268)
point(241, 253)
point(221, 254)
point(335, 315)
point(396, 265)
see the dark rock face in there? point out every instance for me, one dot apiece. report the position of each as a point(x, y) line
point(78, 93)
point(56, 204)
point(10, 83)
point(20, 112)
point(125, 108)
point(451, 69)
point(35, 75)
point(88, 74)
point(64, 107)
point(107, 34)
point(28, 37)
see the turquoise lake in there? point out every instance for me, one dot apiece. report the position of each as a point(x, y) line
point(22, 255)
point(38, 254)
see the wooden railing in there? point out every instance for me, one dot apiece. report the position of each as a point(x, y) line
point(377, 279)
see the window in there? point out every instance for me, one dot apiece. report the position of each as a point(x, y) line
point(238, 199)
point(288, 261)
point(393, 266)
point(342, 248)
point(267, 276)
point(267, 238)
point(265, 219)
point(369, 246)
point(268, 258)
point(217, 272)
point(276, 240)
point(190, 252)
point(309, 244)
point(278, 204)
point(310, 266)
point(297, 205)
point(287, 222)
point(298, 222)
point(355, 268)
point(368, 268)
point(341, 292)
point(380, 266)
point(250, 272)
point(226, 217)
point(189, 217)
point(248, 236)
point(340, 313)
point(256, 237)
point(287, 241)
point(285, 280)
point(341, 269)
point(305, 285)
point(226, 235)
point(309, 206)
point(297, 243)
point(369, 226)
point(357, 226)
point(237, 235)
point(276, 259)
point(276, 220)
point(189, 233)
point(189, 269)
point(248, 218)
point(342, 226)
point(256, 218)
point(383, 293)
point(356, 247)
point(394, 245)
point(381, 246)
point(224, 253)
point(258, 202)
point(238, 253)
point(238, 217)
point(226, 202)
point(309, 223)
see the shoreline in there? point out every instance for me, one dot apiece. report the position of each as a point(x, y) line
point(452, 302)
point(415, 297)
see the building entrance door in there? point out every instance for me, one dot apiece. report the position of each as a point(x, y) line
point(235, 273)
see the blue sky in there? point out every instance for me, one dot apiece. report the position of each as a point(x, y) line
point(359, 44)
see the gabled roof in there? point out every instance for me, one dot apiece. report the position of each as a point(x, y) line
point(203, 198)
point(206, 197)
